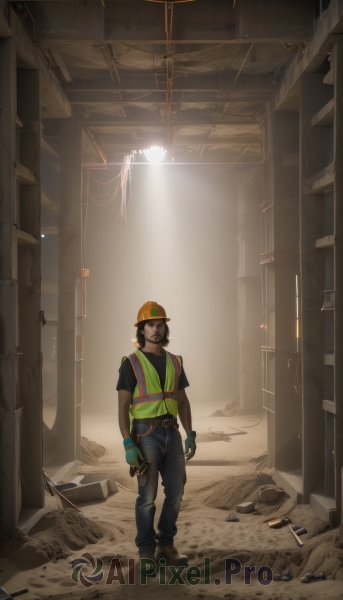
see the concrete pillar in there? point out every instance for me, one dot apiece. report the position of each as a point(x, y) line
point(338, 272)
point(67, 423)
point(29, 285)
point(280, 260)
point(285, 164)
point(268, 286)
point(249, 297)
point(314, 95)
point(10, 412)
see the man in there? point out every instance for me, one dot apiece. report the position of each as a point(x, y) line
point(151, 393)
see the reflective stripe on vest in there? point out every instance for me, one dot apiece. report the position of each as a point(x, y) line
point(143, 396)
point(177, 368)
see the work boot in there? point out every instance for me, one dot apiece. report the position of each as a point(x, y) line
point(151, 556)
point(172, 556)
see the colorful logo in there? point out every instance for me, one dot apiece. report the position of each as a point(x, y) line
point(154, 312)
point(87, 560)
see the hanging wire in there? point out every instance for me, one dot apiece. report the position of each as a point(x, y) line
point(111, 198)
point(122, 183)
point(103, 182)
point(124, 186)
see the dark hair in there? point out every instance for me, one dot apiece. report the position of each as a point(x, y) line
point(140, 335)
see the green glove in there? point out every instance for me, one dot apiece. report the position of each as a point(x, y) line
point(133, 454)
point(190, 445)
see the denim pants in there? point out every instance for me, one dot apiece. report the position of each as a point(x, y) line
point(162, 447)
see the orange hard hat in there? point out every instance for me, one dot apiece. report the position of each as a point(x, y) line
point(149, 311)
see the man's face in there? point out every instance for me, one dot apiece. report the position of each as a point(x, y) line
point(154, 331)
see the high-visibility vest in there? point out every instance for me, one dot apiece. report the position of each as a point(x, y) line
point(148, 398)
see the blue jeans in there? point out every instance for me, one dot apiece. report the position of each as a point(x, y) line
point(162, 447)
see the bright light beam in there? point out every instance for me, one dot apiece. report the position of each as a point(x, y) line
point(155, 154)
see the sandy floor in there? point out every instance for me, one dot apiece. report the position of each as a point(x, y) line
point(203, 532)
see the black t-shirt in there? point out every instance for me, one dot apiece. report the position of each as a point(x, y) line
point(127, 378)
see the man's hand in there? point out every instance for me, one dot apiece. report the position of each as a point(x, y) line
point(133, 455)
point(190, 445)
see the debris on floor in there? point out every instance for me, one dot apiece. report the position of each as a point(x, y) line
point(278, 523)
point(246, 507)
point(51, 539)
point(309, 577)
point(297, 539)
point(91, 451)
point(299, 530)
point(8, 596)
point(85, 488)
point(229, 411)
point(286, 575)
point(51, 488)
point(232, 518)
point(269, 493)
point(234, 490)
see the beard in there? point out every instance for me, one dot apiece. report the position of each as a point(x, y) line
point(156, 340)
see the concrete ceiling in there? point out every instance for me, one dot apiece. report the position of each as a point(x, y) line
point(224, 60)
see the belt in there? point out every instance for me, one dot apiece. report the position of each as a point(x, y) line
point(157, 421)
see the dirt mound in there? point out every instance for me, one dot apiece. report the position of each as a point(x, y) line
point(229, 411)
point(36, 552)
point(30, 552)
point(76, 530)
point(70, 527)
point(91, 451)
point(324, 554)
point(242, 488)
point(304, 515)
point(52, 538)
point(7, 547)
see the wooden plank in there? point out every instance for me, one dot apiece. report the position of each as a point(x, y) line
point(322, 181)
point(56, 55)
point(25, 239)
point(325, 115)
point(26, 177)
point(326, 242)
point(329, 406)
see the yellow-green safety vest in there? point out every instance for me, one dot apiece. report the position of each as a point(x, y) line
point(148, 398)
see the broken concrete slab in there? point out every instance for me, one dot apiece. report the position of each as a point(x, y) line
point(246, 507)
point(85, 488)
